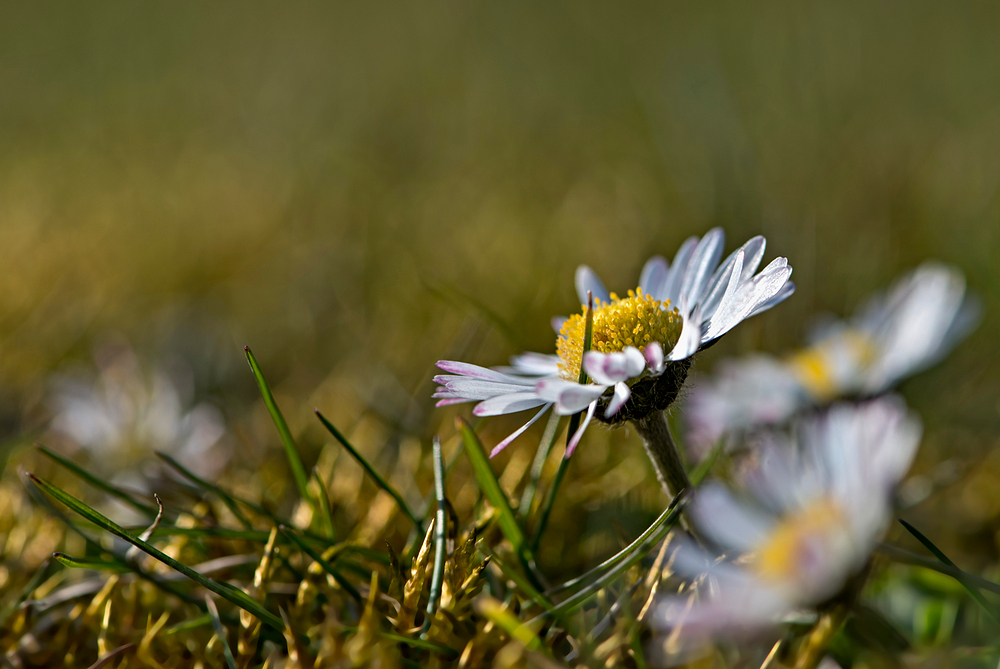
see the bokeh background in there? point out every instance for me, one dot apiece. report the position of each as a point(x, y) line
point(357, 190)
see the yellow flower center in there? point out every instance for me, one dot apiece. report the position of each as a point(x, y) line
point(636, 321)
point(817, 366)
point(794, 543)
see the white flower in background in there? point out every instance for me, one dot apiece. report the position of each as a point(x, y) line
point(641, 345)
point(121, 415)
point(740, 396)
point(818, 505)
point(894, 334)
point(903, 331)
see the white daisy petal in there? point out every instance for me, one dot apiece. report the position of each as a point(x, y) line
point(519, 431)
point(690, 339)
point(653, 353)
point(724, 287)
point(588, 281)
point(557, 322)
point(725, 521)
point(569, 397)
point(476, 389)
point(654, 275)
point(464, 369)
point(622, 393)
point(675, 275)
point(532, 364)
point(703, 262)
point(509, 403)
point(578, 435)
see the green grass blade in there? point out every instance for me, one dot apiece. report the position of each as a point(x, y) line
point(574, 423)
point(544, 448)
point(103, 486)
point(901, 555)
point(189, 624)
point(379, 481)
point(705, 466)
point(220, 631)
point(327, 567)
point(494, 493)
point(621, 555)
point(325, 514)
point(44, 571)
point(581, 597)
point(89, 563)
point(939, 554)
point(294, 461)
point(440, 534)
point(530, 593)
point(224, 590)
point(524, 633)
point(227, 499)
point(550, 497)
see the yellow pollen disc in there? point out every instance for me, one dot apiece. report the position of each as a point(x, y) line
point(636, 321)
point(782, 554)
point(815, 365)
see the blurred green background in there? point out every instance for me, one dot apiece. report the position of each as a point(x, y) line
point(357, 190)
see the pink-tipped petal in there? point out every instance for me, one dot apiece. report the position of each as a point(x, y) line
point(654, 357)
point(557, 323)
point(578, 435)
point(622, 393)
point(519, 431)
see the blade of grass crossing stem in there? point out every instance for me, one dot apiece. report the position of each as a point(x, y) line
point(381, 482)
point(227, 499)
point(541, 456)
point(104, 486)
point(581, 597)
point(325, 515)
point(294, 461)
point(221, 588)
point(440, 536)
point(524, 633)
point(494, 493)
point(972, 589)
point(220, 631)
point(621, 555)
point(327, 567)
point(574, 423)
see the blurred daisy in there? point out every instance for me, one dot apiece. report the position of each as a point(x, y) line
point(641, 344)
point(121, 415)
point(895, 334)
point(818, 505)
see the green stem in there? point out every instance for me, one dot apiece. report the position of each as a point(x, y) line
point(662, 452)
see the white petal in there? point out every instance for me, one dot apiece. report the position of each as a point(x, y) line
point(519, 431)
point(703, 263)
point(724, 287)
point(557, 323)
point(504, 404)
point(675, 276)
point(622, 393)
point(578, 435)
point(654, 276)
point(726, 522)
point(476, 389)
point(654, 357)
point(587, 280)
point(609, 368)
point(690, 339)
point(747, 297)
point(568, 396)
point(533, 364)
point(464, 369)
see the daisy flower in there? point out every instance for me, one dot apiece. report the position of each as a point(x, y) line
point(913, 325)
point(121, 414)
point(818, 504)
point(640, 345)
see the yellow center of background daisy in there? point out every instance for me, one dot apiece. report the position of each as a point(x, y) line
point(782, 554)
point(636, 321)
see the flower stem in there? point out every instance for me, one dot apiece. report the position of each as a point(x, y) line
point(662, 451)
point(814, 647)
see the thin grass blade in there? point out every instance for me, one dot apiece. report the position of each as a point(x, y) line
point(323, 499)
point(379, 481)
point(440, 535)
point(327, 567)
point(227, 499)
point(294, 461)
point(220, 631)
point(939, 554)
point(103, 486)
point(224, 590)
